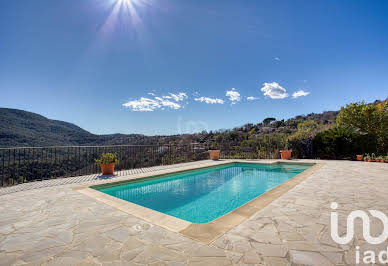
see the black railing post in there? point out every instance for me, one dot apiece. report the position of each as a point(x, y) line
point(41, 163)
point(55, 161)
point(3, 170)
point(79, 161)
point(9, 163)
point(14, 166)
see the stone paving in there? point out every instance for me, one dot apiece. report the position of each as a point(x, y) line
point(93, 177)
point(60, 226)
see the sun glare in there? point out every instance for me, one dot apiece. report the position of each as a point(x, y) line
point(123, 1)
point(125, 13)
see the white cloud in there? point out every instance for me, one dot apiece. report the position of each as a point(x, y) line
point(274, 90)
point(252, 98)
point(167, 103)
point(234, 96)
point(151, 93)
point(150, 104)
point(209, 100)
point(178, 97)
point(300, 93)
point(276, 59)
point(143, 105)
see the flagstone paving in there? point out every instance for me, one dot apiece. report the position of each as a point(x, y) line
point(60, 226)
point(96, 177)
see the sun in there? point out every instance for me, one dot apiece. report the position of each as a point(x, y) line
point(124, 2)
point(124, 13)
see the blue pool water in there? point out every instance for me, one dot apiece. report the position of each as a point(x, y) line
point(201, 196)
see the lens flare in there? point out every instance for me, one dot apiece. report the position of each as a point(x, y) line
point(124, 13)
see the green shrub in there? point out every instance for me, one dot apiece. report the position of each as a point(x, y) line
point(343, 143)
point(367, 119)
point(107, 158)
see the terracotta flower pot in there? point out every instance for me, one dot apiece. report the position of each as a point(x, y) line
point(107, 169)
point(359, 157)
point(214, 155)
point(371, 160)
point(285, 154)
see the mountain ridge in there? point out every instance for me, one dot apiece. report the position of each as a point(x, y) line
point(23, 128)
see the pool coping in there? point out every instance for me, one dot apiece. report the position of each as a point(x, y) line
point(207, 232)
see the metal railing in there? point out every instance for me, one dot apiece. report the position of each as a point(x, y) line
point(26, 164)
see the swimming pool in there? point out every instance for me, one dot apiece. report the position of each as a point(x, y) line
point(203, 195)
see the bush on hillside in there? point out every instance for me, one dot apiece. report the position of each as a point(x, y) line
point(301, 142)
point(368, 120)
point(343, 143)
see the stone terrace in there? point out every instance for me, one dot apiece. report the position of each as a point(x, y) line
point(57, 225)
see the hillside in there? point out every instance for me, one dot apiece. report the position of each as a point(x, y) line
point(22, 128)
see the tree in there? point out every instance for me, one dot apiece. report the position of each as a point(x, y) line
point(366, 119)
point(335, 143)
point(301, 141)
point(268, 120)
point(278, 124)
point(306, 129)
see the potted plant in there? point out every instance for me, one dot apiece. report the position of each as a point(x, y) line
point(372, 158)
point(107, 162)
point(214, 154)
point(379, 159)
point(286, 153)
point(386, 159)
point(359, 157)
point(367, 157)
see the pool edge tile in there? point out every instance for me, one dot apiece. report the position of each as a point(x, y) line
point(171, 223)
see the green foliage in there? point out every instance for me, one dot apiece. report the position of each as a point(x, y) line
point(251, 132)
point(219, 139)
point(334, 143)
point(306, 129)
point(268, 120)
point(107, 158)
point(342, 143)
point(369, 119)
point(301, 141)
point(20, 128)
point(266, 146)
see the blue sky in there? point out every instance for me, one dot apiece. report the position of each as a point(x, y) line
point(174, 66)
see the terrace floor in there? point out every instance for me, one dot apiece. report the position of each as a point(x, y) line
point(57, 225)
